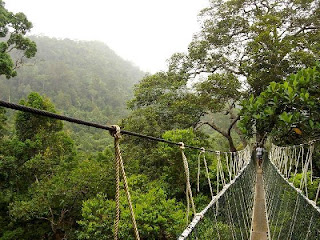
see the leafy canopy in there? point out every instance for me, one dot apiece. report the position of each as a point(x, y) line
point(288, 111)
point(13, 28)
point(157, 216)
point(256, 41)
point(243, 45)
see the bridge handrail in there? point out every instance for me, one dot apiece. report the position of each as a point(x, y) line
point(200, 215)
point(311, 202)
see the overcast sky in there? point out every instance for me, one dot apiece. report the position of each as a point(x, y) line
point(145, 32)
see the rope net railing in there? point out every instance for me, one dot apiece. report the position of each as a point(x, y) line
point(228, 215)
point(231, 208)
point(291, 206)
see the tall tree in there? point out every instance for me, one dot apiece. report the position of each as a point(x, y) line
point(13, 28)
point(257, 41)
point(242, 47)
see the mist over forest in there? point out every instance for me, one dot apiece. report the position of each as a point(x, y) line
point(84, 79)
point(255, 73)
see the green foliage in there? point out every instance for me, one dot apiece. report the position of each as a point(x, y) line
point(166, 95)
point(311, 186)
point(13, 28)
point(86, 80)
point(170, 163)
point(165, 101)
point(156, 216)
point(241, 48)
point(287, 111)
point(28, 159)
point(28, 125)
point(257, 41)
point(49, 191)
point(57, 200)
point(219, 229)
point(3, 119)
point(217, 90)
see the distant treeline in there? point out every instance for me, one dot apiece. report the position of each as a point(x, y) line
point(83, 79)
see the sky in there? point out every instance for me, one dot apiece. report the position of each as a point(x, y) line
point(145, 32)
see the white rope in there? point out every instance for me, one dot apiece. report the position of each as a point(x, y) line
point(188, 186)
point(198, 174)
point(282, 158)
point(309, 227)
point(220, 169)
point(228, 166)
point(295, 213)
point(202, 152)
point(207, 172)
point(317, 195)
point(244, 158)
point(120, 167)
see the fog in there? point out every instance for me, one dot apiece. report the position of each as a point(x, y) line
point(145, 32)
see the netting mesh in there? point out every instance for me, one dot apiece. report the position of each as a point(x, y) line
point(228, 216)
point(290, 214)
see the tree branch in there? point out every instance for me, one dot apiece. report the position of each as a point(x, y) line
point(215, 127)
point(233, 123)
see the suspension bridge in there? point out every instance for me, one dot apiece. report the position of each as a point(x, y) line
point(271, 202)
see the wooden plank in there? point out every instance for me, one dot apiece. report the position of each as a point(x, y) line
point(259, 219)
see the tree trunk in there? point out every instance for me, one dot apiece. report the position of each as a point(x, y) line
point(231, 144)
point(227, 134)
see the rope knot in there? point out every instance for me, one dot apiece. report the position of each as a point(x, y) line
point(311, 142)
point(115, 132)
point(203, 150)
point(181, 145)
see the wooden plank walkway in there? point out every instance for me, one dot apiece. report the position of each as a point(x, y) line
point(259, 225)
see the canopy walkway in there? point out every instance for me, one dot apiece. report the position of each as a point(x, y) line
point(281, 210)
point(259, 219)
point(250, 203)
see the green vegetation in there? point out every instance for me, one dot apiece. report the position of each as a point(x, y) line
point(287, 111)
point(85, 80)
point(50, 190)
point(157, 217)
point(241, 48)
point(57, 182)
point(13, 28)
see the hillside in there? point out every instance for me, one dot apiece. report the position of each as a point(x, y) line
point(83, 79)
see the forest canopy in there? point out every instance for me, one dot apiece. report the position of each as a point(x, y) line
point(252, 61)
point(83, 79)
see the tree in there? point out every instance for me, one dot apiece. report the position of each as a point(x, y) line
point(29, 125)
point(169, 163)
point(85, 80)
point(168, 102)
point(37, 152)
point(167, 96)
point(54, 203)
point(242, 47)
point(157, 216)
point(13, 28)
point(286, 111)
point(256, 41)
